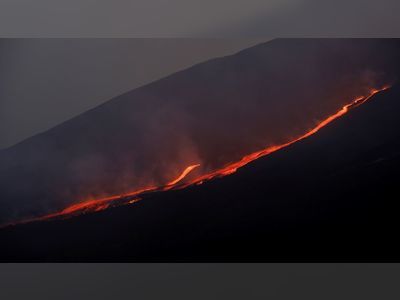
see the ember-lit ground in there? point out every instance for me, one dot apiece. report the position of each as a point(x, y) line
point(95, 205)
point(312, 201)
point(287, 151)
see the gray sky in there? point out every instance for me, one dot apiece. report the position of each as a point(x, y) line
point(194, 18)
point(46, 81)
point(140, 18)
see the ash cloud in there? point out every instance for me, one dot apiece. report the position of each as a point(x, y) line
point(212, 114)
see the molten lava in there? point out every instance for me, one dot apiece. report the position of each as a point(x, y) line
point(183, 175)
point(94, 205)
point(232, 168)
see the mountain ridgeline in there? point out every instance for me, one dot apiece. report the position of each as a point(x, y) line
point(210, 114)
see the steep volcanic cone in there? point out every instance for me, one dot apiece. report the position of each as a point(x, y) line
point(220, 114)
point(129, 198)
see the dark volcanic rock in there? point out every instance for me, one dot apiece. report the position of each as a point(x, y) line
point(211, 113)
point(331, 197)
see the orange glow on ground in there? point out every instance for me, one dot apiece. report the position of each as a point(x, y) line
point(94, 205)
point(232, 168)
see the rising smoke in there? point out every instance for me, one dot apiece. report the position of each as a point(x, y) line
point(211, 114)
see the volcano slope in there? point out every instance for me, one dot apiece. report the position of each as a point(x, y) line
point(330, 197)
point(210, 114)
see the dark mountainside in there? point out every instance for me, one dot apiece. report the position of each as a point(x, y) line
point(330, 197)
point(212, 113)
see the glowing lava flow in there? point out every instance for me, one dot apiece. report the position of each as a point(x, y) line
point(103, 203)
point(183, 175)
point(128, 198)
point(232, 168)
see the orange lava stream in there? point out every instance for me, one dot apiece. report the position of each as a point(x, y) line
point(94, 205)
point(232, 168)
point(184, 174)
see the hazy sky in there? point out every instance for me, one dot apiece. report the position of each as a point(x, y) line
point(194, 18)
point(46, 81)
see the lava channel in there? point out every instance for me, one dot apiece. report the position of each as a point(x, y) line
point(95, 205)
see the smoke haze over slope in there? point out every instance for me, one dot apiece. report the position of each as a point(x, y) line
point(212, 114)
point(44, 82)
